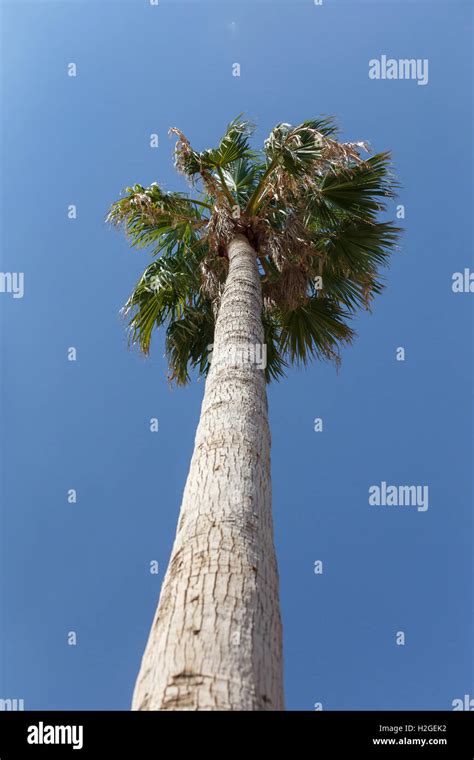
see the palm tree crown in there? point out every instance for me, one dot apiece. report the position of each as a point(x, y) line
point(309, 206)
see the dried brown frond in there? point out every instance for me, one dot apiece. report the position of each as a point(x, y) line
point(289, 291)
point(182, 149)
point(336, 154)
point(189, 163)
point(212, 187)
point(221, 227)
point(283, 185)
point(289, 244)
point(213, 276)
point(186, 160)
point(127, 206)
point(143, 203)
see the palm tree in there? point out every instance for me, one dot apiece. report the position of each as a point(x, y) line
point(262, 267)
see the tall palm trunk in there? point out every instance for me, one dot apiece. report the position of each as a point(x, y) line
point(215, 643)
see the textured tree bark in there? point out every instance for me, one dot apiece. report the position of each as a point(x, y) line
point(215, 643)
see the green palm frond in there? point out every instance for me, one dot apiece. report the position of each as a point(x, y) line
point(233, 146)
point(276, 364)
point(353, 254)
point(359, 247)
point(241, 177)
point(151, 216)
point(325, 125)
point(316, 329)
point(189, 341)
point(360, 190)
point(297, 148)
point(168, 285)
point(208, 164)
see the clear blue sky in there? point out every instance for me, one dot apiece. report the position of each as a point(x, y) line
point(85, 567)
